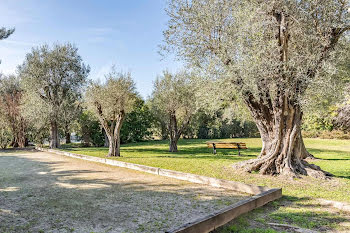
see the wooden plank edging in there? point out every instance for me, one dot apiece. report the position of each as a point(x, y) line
point(223, 216)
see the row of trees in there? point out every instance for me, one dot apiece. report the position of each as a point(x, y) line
point(270, 57)
point(51, 97)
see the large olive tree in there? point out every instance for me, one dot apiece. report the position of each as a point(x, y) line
point(174, 98)
point(51, 76)
point(110, 102)
point(271, 51)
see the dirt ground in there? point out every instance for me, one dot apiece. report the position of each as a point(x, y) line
point(43, 192)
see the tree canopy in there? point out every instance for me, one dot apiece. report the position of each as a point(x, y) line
point(110, 102)
point(51, 76)
point(271, 51)
point(174, 97)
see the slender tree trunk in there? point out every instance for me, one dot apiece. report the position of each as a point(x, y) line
point(112, 146)
point(283, 148)
point(173, 145)
point(67, 135)
point(106, 143)
point(54, 139)
point(173, 133)
point(21, 137)
point(113, 135)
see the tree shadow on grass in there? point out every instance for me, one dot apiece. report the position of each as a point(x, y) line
point(302, 212)
point(333, 153)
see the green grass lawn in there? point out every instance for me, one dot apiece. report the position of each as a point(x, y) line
point(299, 206)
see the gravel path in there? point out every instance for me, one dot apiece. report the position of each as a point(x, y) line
point(43, 192)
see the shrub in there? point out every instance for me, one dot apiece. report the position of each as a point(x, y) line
point(5, 137)
point(326, 134)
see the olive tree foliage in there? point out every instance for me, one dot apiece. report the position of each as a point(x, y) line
point(5, 131)
point(271, 51)
point(342, 117)
point(10, 101)
point(5, 33)
point(51, 78)
point(174, 98)
point(160, 123)
point(324, 97)
point(110, 102)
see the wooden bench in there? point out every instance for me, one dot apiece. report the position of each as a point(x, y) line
point(228, 145)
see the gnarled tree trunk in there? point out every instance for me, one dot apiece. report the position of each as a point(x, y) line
point(283, 149)
point(113, 135)
point(54, 138)
point(175, 131)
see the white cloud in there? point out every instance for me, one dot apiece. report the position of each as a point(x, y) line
point(101, 30)
point(12, 53)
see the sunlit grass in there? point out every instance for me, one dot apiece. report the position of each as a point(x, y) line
point(195, 157)
point(300, 203)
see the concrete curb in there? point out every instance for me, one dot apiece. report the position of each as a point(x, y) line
point(227, 184)
point(262, 194)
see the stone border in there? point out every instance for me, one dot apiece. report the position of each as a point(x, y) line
point(208, 223)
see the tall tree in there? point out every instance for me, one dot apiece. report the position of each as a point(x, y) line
point(271, 51)
point(173, 96)
point(10, 101)
point(50, 77)
point(111, 102)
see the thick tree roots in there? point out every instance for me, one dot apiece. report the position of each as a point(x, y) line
point(288, 168)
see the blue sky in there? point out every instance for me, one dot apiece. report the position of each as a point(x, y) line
point(122, 32)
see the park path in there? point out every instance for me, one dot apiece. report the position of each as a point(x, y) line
point(45, 192)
